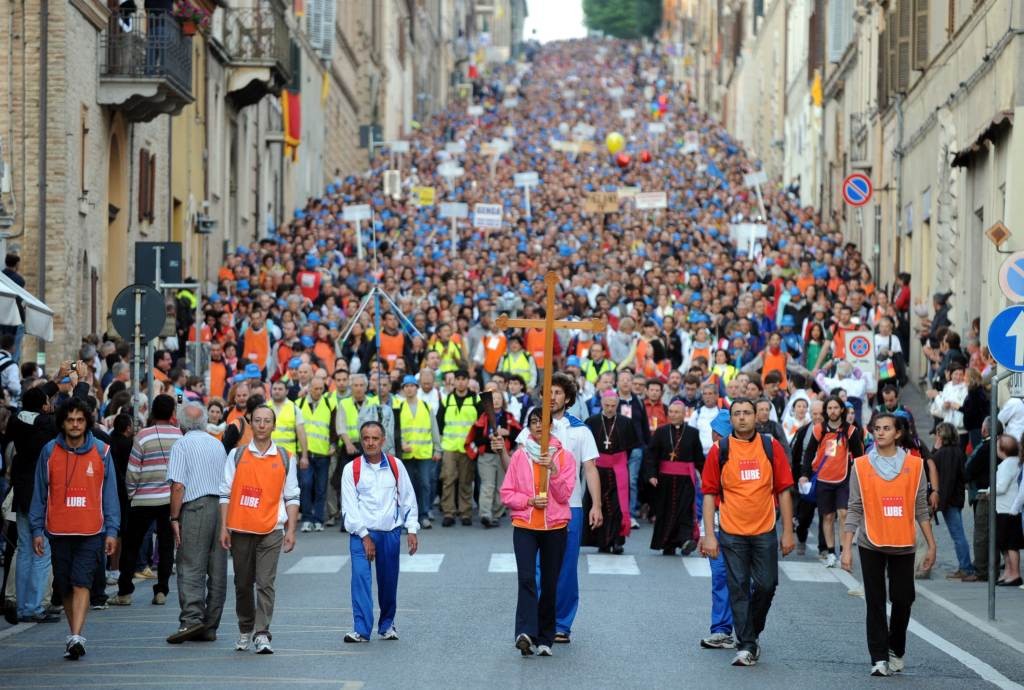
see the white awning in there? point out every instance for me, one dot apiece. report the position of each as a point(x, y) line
point(38, 316)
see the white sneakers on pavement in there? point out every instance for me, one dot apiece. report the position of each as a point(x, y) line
point(262, 644)
point(744, 658)
point(881, 668)
point(74, 647)
point(244, 639)
point(543, 650)
point(306, 527)
point(391, 634)
point(318, 527)
point(831, 561)
point(718, 641)
point(895, 662)
point(524, 644)
point(354, 638)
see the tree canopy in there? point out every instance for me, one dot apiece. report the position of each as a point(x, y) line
point(623, 18)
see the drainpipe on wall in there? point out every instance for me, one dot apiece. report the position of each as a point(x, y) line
point(898, 155)
point(44, 31)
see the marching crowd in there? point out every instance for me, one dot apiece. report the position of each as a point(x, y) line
point(720, 404)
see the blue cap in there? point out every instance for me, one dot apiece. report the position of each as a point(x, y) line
point(722, 425)
point(215, 297)
point(252, 371)
point(572, 361)
point(294, 363)
point(307, 340)
point(314, 317)
point(410, 380)
point(788, 321)
point(243, 284)
point(312, 261)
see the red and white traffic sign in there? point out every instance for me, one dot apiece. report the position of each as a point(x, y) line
point(857, 189)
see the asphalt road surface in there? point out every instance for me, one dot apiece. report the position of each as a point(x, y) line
point(640, 620)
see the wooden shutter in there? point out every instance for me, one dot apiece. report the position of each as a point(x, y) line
point(904, 44)
point(892, 31)
point(143, 183)
point(882, 85)
point(816, 40)
point(920, 34)
point(151, 200)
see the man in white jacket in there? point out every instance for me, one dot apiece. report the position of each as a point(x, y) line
point(379, 501)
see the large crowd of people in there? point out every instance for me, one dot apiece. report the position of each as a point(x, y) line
point(325, 405)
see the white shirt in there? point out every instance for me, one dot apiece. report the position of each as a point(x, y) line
point(290, 495)
point(701, 421)
point(887, 342)
point(375, 504)
point(1012, 417)
point(580, 442)
point(1006, 484)
point(433, 399)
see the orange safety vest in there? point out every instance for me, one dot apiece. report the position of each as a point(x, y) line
point(748, 496)
point(74, 504)
point(774, 362)
point(256, 347)
point(234, 414)
point(325, 353)
point(704, 352)
point(535, 345)
point(218, 379)
point(256, 491)
point(495, 347)
point(391, 347)
point(832, 459)
point(244, 434)
point(889, 506)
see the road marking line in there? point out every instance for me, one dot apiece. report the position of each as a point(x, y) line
point(968, 617)
point(607, 564)
point(318, 565)
point(15, 629)
point(807, 572)
point(420, 563)
point(697, 567)
point(979, 667)
point(502, 563)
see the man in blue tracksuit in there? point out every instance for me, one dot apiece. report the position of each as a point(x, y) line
point(378, 500)
point(721, 611)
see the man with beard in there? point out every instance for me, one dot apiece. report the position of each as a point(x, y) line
point(615, 438)
point(673, 458)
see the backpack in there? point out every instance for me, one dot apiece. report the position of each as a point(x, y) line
point(282, 451)
point(357, 466)
point(723, 452)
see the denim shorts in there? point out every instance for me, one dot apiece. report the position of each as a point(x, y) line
point(75, 560)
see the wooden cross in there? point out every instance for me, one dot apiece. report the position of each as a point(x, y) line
point(548, 324)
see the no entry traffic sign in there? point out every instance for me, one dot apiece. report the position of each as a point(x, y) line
point(857, 189)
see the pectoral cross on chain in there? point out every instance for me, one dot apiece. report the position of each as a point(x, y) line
point(548, 324)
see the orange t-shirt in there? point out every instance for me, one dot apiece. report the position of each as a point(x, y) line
point(747, 485)
point(537, 520)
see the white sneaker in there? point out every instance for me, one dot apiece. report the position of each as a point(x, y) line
point(306, 527)
point(425, 523)
point(895, 663)
point(880, 668)
point(354, 638)
point(262, 643)
point(744, 658)
point(718, 641)
point(633, 524)
point(543, 650)
point(831, 561)
point(318, 527)
point(244, 639)
point(391, 634)
point(74, 647)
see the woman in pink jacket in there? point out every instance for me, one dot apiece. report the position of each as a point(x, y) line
point(539, 522)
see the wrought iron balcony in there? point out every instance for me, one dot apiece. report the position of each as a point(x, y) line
point(145, 64)
point(257, 44)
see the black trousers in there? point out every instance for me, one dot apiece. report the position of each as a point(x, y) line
point(891, 634)
point(804, 517)
point(132, 534)
point(535, 616)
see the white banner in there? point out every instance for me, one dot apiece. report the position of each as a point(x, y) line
point(649, 200)
point(487, 216)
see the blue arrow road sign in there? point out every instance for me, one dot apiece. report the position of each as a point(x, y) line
point(1006, 337)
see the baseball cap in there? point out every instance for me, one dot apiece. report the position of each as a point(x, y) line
point(572, 361)
point(409, 380)
point(294, 363)
point(252, 371)
point(721, 424)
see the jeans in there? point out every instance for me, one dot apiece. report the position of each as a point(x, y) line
point(421, 473)
point(636, 459)
point(891, 634)
point(31, 572)
point(313, 487)
point(535, 613)
point(752, 567)
point(388, 546)
point(955, 525)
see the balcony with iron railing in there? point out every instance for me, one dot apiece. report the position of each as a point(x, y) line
point(257, 44)
point(145, 65)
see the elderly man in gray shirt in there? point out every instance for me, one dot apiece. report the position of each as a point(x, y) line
point(195, 470)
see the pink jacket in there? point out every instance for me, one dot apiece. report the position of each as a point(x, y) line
point(518, 487)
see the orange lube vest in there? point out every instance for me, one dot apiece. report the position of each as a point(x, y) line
point(74, 504)
point(256, 492)
point(391, 347)
point(832, 460)
point(748, 503)
point(774, 362)
point(535, 345)
point(495, 347)
point(889, 506)
point(256, 347)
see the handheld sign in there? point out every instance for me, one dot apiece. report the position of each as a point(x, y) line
point(487, 216)
point(527, 180)
point(357, 213)
point(651, 200)
point(424, 196)
point(1006, 337)
point(449, 209)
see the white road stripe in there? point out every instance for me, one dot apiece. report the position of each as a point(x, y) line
point(697, 567)
point(318, 565)
point(607, 564)
point(502, 563)
point(982, 669)
point(807, 572)
point(420, 563)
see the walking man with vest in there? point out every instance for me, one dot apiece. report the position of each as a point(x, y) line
point(195, 470)
point(379, 501)
point(453, 358)
point(150, 495)
point(75, 507)
point(743, 475)
point(519, 362)
point(259, 507)
point(290, 429)
point(888, 494)
point(596, 364)
point(421, 444)
point(317, 414)
point(459, 410)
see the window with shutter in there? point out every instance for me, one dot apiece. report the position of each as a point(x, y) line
point(882, 84)
point(904, 44)
point(151, 200)
point(327, 20)
point(920, 34)
point(892, 30)
point(143, 183)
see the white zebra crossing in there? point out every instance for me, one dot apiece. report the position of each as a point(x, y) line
point(318, 565)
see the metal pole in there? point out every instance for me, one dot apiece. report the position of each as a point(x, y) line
point(359, 242)
point(993, 438)
point(137, 353)
point(760, 202)
point(455, 236)
point(529, 213)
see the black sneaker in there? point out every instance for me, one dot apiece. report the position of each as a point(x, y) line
point(74, 648)
point(448, 521)
point(524, 644)
point(486, 522)
point(466, 522)
point(688, 546)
